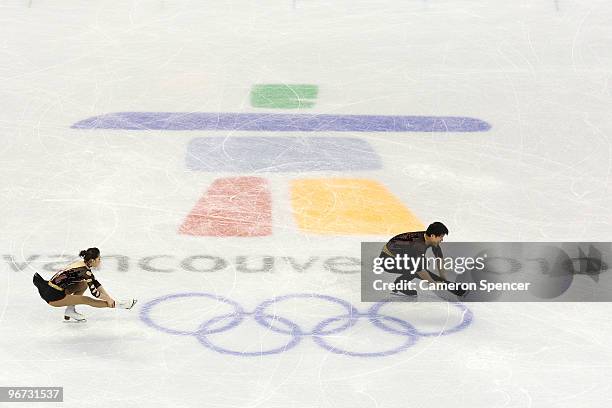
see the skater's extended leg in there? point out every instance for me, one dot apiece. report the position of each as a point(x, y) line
point(81, 300)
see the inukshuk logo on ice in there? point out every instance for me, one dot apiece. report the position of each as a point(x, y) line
point(241, 205)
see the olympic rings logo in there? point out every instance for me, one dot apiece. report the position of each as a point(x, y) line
point(325, 328)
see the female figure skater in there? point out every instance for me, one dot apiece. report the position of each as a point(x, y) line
point(66, 287)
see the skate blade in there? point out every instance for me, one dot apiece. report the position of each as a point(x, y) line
point(68, 319)
point(400, 297)
point(400, 294)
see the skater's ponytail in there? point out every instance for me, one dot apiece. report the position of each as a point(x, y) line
point(89, 254)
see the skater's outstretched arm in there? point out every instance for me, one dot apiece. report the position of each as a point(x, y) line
point(104, 294)
point(97, 290)
point(443, 274)
point(437, 251)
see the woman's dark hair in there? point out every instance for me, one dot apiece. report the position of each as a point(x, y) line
point(437, 229)
point(89, 254)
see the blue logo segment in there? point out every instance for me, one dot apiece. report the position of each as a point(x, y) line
point(280, 154)
point(281, 122)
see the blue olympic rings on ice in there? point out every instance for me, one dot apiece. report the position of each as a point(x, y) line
point(329, 326)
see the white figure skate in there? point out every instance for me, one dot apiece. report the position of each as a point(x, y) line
point(72, 316)
point(125, 304)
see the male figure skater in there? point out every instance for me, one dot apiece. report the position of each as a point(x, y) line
point(415, 244)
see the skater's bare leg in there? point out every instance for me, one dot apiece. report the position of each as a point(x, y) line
point(76, 289)
point(81, 300)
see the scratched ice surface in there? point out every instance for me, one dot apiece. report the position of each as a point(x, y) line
point(260, 319)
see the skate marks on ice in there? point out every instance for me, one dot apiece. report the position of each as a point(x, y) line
point(281, 323)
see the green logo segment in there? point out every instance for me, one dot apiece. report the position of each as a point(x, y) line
point(284, 96)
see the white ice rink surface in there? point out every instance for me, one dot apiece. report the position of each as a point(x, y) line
point(539, 72)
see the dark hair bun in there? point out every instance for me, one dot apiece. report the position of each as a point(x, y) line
point(89, 254)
